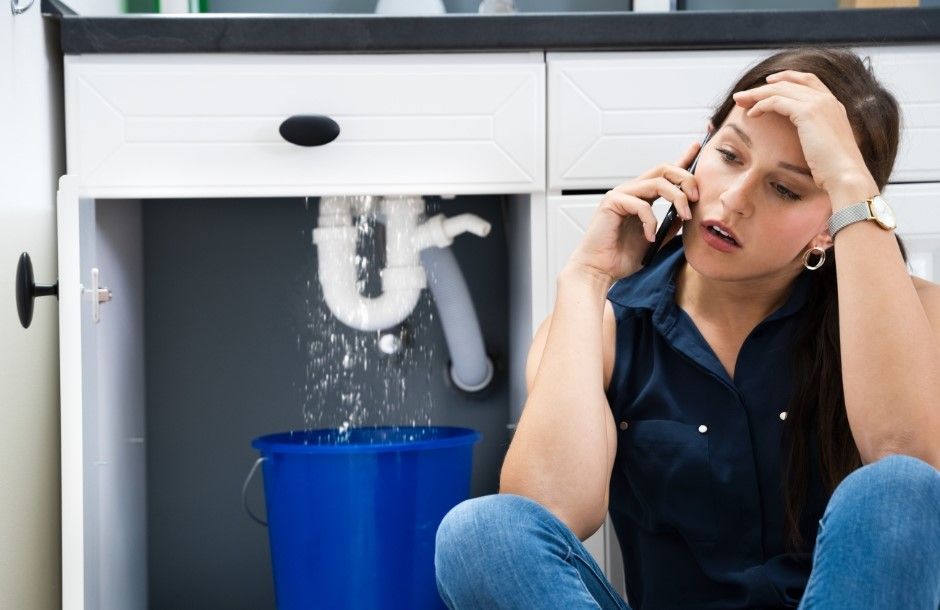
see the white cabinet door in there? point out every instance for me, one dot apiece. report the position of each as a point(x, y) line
point(102, 382)
point(918, 225)
point(30, 149)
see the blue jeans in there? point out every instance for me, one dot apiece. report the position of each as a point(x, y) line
point(878, 546)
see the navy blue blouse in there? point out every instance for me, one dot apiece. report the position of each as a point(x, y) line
point(696, 493)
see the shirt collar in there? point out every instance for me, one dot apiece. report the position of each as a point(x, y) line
point(654, 287)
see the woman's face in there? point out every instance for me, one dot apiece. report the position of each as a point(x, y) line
point(752, 177)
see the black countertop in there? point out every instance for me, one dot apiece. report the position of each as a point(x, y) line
point(621, 31)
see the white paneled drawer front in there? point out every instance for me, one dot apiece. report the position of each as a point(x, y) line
point(614, 115)
point(209, 124)
point(912, 74)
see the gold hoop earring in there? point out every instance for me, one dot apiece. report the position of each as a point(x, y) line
point(822, 258)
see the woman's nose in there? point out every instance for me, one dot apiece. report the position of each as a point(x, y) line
point(739, 195)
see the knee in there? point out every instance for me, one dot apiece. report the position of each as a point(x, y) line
point(461, 526)
point(893, 499)
point(900, 477)
point(481, 524)
point(479, 534)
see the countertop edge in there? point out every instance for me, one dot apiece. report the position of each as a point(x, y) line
point(279, 33)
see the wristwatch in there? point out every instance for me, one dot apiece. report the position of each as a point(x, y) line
point(874, 208)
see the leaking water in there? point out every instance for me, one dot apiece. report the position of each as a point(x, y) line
point(348, 381)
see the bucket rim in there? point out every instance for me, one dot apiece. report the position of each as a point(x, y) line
point(285, 442)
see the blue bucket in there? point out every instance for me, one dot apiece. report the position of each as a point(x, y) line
point(352, 515)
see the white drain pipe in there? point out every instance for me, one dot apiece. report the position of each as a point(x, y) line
point(471, 369)
point(403, 277)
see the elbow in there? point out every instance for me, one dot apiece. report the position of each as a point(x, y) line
point(582, 518)
point(590, 527)
point(915, 439)
point(928, 453)
point(583, 521)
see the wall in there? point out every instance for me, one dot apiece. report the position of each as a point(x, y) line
point(227, 305)
point(31, 160)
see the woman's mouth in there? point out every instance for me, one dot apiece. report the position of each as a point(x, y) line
point(719, 241)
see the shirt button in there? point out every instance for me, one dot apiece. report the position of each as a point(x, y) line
point(783, 415)
point(703, 428)
point(624, 425)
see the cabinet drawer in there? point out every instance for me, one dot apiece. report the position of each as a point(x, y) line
point(905, 72)
point(208, 124)
point(614, 115)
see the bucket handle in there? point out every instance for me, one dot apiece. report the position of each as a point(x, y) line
point(251, 473)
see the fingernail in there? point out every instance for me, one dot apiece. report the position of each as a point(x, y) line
point(695, 192)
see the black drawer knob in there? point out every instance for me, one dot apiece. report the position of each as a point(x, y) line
point(309, 130)
point(27, 290)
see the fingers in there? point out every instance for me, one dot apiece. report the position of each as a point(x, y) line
point(804, 78)
point(685, 182)
point(625, 205)
point(775, 103)
point(780, 88)
point(664, 186)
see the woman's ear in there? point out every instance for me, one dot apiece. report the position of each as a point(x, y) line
point(823, 240)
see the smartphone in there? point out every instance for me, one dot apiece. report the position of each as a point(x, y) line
point(672, 214)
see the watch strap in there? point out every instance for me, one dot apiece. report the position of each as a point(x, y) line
point(849, 215)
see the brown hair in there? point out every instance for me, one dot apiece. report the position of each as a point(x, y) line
point(817, 406)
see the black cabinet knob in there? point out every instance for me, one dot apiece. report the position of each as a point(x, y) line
point(27, 290)
point(309, 130)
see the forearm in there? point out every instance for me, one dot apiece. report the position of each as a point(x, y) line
point(559, 452)
point(890, 358)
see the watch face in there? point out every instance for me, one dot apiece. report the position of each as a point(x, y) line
point(883, 213)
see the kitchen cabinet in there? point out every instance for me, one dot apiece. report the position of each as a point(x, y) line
point(551, 131)
point(211, 126)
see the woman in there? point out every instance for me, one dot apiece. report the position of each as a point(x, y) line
point(767, 435)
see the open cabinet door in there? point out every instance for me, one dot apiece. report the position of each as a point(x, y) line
point(77, 383)
point(102, 385)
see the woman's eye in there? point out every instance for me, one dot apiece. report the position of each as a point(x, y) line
point(782, 191)
point(786, 193)
point(729, 156)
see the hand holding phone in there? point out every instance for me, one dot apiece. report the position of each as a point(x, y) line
point(672, 214)
point(620, 232)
